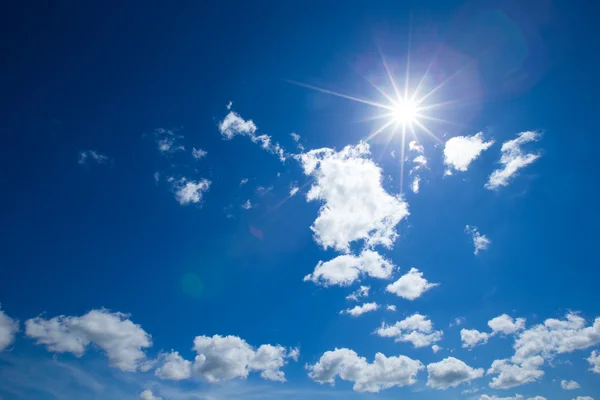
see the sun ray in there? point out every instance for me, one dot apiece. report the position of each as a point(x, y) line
point(443, 83)
point(345, 96)
point(433, 135)
point(378, 131)
point(402, 151)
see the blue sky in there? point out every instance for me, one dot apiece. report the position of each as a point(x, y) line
point(197, 203)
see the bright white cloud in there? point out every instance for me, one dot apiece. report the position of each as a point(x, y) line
point(166, 140)
point(295, 136)
point(594, 360)
point(188, 191)
point(8, 328)
point(414, 146)
point(233, 125)
point(247, 205)
point(511, 374)
point(411, 285)
point(122, 340)
point(294, 190)
point(92, 155)
point(505, 324)
point(415, 184)
point(383, 373)
point(174, 367)
point(481, 242)
point(198, 153)
point(148, 395)
point(513, 159)
point(360, 310)
point(416, 329)
point(355, 205)
point(461, 151)
point(583, 398)
point(362, 291)
point(569, 385)
point(435, 348)
point(345, 269)
point(223, 358)
point(515, 397)
point(472, 337)
point(390, 307)
point(451, 372)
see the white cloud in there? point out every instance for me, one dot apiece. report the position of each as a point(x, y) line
point(156, 177)
point(8, 328)
point(198, 153)
point(420, 161)
point(383, 373)
point(414, 146)
point(148, 395)
point(122, 340)
point(356, 207)
point(415, 184)
point(360, 310)
point(243, 181)
point(594, 361)
point(416, 329)
point(166, 140)
point(295, 136)
point(362, 291)
point(174, 367)
point(506, 325)
point(457, 322)
point(451, 372)
point(435, 348)
point(513, 159)
point(345, 269)
point(460, 151)
point(390, 307)
point(515, 397)
point(228, 357)
point(247, 205)
point(556, 337)
point(481, 242)
point(511, 374)
point(92, 155)
point(293, 190)
point(234, 125)
point(411, 285)
point(188, 191)
point(472, 337)
point(583, 398)
point(569, 385)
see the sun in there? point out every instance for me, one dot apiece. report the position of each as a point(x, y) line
point(405, 112)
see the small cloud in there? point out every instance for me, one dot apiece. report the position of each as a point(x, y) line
point(293, 190)
point(156, 177)
point(415, 146)
point(243, 181)
point(513, 159)
point(148, 395)
point(481, 242)
point(415, 184)
point(295, 136)
point(166, 140)
point(435, 348)
point(393, 153)
point(362, 291)
point(461, 151)
point(198, 153)
point(247, 205)
point(262, 190)
point(390, 307)
point(569, 385)
point(360, 310)
point(88, 156)
point(188, 191)
point(229, 105)
point(457, 322)
point(411, 285)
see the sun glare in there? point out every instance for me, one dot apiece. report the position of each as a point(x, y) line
point(405, 112)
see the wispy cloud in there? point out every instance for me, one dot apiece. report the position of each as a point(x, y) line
point(513, 159)
point(92, 156)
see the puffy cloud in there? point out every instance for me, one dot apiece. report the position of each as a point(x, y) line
point(556, 337)
point(515, 397)
point(360, 310)
point(506, 325)
point(460, 151)
point(513, 159)
point(383, 373)
point(8, 328)
point(345, 269)
point(451, 372)
point(356, 207)
point(247, 205)
point(188, 191)
point(362, 291)
point(414, 146)
point(511, 374)
point(415, 184)
point(390, 307)
point(569, 385)
point(583, 398)
point(92, 155)
point(472, 337)
point(174, 367)
point(594, 360)
point(435, 348)
point(481, 242)
point(411, 285)
point(122, 340)
point(416, 329)
point(233, 125)
point(166, 140)
point(148, 395)
point(198, 153)
point(228, 357)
